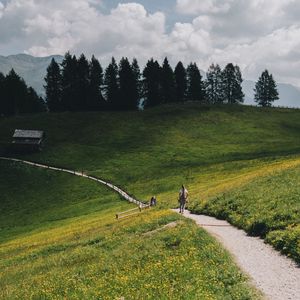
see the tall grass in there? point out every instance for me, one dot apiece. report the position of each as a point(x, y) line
point(268, 206)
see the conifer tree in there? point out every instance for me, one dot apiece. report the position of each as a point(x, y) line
point(232, 84)
point(181, 82)
point(168, 91)
point(69, 82)
point(111, 83)
point(152, 84)
point(17, 98)
point(213, 85)
point(128, 86)
point(82, 83)
point(15, 94)
point(137, 75)
point(195, 90)
point(53, 87)
point(266, 90)
point(95, 99)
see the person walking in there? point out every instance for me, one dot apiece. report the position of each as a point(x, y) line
point(153, 201)
point(183, 198)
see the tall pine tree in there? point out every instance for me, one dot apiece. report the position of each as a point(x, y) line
point(111, 83)
point(83, 83)
point(152, 84)
point(128, 86)
point(232, 84)
point(70, 99)
point(266, 90)
point(168, 91)
point(196, 90)
point(137, 75)
point(214, 85)
point(53, 87)
point(95, 99)
point(181, 82)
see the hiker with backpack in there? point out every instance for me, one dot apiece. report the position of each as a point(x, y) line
point(183, 199)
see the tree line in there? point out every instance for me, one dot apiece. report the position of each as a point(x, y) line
point(78, 84)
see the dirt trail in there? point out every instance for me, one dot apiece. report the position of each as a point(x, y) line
point(277, 276)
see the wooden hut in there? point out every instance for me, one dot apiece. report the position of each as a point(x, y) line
point(27, 140)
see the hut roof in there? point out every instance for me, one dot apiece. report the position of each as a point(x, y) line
point(32, 134)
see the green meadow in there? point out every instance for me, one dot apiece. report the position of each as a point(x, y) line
point(59, 238)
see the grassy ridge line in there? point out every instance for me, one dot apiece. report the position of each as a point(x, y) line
point(233, 181)
point(81, 174)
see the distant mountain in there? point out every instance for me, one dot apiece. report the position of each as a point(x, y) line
point(32, 69)
point(289, 94)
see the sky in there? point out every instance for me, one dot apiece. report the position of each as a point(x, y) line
point(255, 34)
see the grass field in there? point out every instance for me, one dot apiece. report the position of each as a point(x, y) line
point(213, 150)
point(60, 240)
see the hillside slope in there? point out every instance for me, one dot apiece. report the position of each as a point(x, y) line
point(155, 151)
point(213, 150)
point(59, 239)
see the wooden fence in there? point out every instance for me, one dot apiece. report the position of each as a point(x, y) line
point(131, 212)
point(141, 205)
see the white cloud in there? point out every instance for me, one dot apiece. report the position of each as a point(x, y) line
point(188, 42)
point(274, 51)
point(195, 7)
point(52, 27)
point(256, 34)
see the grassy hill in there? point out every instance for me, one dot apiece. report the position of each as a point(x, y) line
point(153, 152)
point(213, 150)
point(60, 240)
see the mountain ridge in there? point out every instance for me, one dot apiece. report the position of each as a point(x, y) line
point(31, 69)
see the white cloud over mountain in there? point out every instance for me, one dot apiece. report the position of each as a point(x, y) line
point(256, 34)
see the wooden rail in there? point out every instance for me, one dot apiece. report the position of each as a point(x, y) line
point(131, 212)
point(141, 205)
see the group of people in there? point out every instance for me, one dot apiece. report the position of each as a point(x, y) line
point(182, 199)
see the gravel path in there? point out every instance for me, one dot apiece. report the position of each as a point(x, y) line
point(275, 275)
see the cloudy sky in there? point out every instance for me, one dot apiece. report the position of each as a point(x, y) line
point(256, 34)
